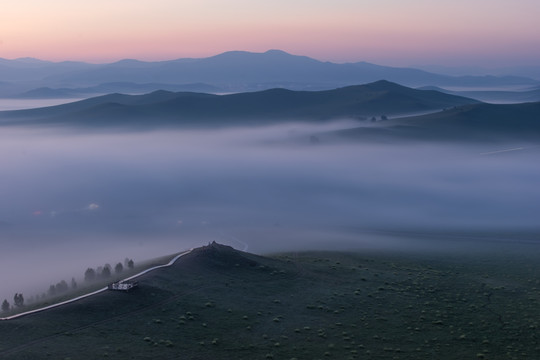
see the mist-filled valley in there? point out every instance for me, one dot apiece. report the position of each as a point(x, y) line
point(74, 199)
point(253, 180)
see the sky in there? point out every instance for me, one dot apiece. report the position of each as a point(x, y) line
point(387, 32)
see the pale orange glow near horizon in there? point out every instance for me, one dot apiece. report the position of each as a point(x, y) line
point(394, 32)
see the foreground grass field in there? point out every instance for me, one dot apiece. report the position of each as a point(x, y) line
point(217, 303)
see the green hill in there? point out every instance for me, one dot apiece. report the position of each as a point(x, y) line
point(219, 303)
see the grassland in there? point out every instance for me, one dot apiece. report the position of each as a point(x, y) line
point(217, 303)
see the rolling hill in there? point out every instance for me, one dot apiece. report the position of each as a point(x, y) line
point(186, 109)
point(220, 303)
point(479, 122)
point(107, 88)
point(492, 96)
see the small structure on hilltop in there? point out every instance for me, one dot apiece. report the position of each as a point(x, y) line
point(123, 285)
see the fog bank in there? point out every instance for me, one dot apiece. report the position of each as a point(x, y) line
point(72, 200)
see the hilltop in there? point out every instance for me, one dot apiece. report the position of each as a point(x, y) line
point(220, 303)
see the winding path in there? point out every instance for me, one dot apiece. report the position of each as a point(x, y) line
point(97, 291)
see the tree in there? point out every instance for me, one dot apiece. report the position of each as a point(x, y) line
point(131, 264)
point(118, 268)
point(90, 274)
point(73, 283)
point(106, 272)
point(62, 286)
point(384, 117)
point(18, 300)
point(52, 290)
point(5, 306)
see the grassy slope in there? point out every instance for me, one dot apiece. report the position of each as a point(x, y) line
point(220, 304)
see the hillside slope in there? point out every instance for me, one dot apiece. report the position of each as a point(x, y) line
point(219, 303)
point(479, 122)
point(164, 108)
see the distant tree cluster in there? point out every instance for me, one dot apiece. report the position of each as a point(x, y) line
point(61, 287)
point(90, 275)
point(383, 118)
point(105, 272)
point(18, 300)
point(5, 306)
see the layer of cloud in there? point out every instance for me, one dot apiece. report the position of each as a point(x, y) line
point(169, 190)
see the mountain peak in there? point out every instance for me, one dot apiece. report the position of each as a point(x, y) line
point(277, 52)
point(31, 60)
point(385, 85)
point(129, 62)
point(240, 53)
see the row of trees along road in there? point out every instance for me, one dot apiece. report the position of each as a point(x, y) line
point(18, 300)
point(104, 272)
point(89, 275)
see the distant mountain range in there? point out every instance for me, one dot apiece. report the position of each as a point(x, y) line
point(529, 71)
point(187, 109)
point(228, 72)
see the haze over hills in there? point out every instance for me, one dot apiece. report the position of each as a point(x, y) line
point(232, 71)
point(265, 107)
point(532, 72)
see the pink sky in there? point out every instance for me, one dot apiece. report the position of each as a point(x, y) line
point(392, 32)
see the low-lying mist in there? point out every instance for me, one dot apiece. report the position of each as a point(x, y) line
point(73, 200)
